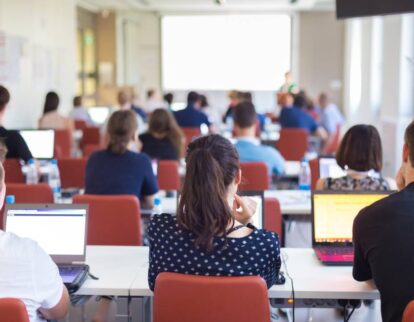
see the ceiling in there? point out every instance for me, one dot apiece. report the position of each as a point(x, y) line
point(165, 6)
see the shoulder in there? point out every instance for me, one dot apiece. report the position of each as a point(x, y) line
point(265, 237)
point(18, 245)
point(98, 155)
point(162, 222)
point(145, 136)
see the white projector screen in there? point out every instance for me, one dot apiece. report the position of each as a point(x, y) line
point(223, 52)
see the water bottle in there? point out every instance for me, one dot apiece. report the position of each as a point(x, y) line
point(304, 175)
point(54, 179)
point(10, 199)
point(157, 206)
point(32, 177)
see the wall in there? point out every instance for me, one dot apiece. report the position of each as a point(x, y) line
point(47, 56)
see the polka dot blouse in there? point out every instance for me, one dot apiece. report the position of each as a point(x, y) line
point(173, 250)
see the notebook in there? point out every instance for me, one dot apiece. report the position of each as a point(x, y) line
point(329, 168)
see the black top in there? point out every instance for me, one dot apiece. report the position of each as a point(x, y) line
point(160, 149)
point(172, 250)
point(383, 235)
point(16, 145)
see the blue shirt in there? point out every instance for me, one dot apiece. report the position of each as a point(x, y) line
point(140, 112)
point(191, 117)
point(129, 173)
point(331, 117)
point(295, 117)
point(172, 250)
point(250, 150)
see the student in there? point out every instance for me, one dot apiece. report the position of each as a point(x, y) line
point(234, 97)
point(118, 170)
point(248, 146)
point(331, 117)
point(191, 116)
point(16, 145)
point(51, 118)
point(212, 113)
point(125, 103)
point(168, 100)
point(360, 154)
point(383, 241)
point(29, 274)
point(212, 234)
point(79, 113)
point(164, 139)
point(152, 102)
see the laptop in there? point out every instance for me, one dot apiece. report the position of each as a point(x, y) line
point(60, 230)
point(258, 196)
point(333, 214)
point(99, 114)
point(329, 168)
point(41, 143)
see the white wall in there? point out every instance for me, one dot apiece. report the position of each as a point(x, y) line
point(47, 30)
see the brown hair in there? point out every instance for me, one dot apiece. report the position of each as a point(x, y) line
point(360, 149)
point(4, 97)
point(122, 126)
point(212, 165)
point(163, 122)
point(244, 115)
point(409, 141)
point(51, 102)
point(3, 150)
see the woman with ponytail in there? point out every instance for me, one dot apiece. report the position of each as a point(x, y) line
point(120, 170)
point(212, 233)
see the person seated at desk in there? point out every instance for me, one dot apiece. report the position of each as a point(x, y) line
point(212, 234)
point(51, 118)
point(191, 116)
point(29, 274)
point(360, 155)
point(16, 145)
point(164, 139)
point(248, 146)
point(383, 241)
point(125, 103)
point(331, 117)
point(79, 113)
point(296, 117)
point(119, 170)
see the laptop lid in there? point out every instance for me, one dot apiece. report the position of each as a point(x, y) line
point(329, 168)
point(59, 229)
point(333, 214)
point(99, 114)
point(41, 143)
point(258, 196)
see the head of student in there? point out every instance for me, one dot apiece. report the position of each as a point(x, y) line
point(193, 99)
point(203, 101)
point(360, 149)
point(300, 100)
point(285, 100)
point(212, 178)
point(4, 98)
point(123, 97)
point(245, 119)
point(169, 98)
point(122, 130)
point(151, 93)
point(77, 101)
point(323, 100)
point(51, 102)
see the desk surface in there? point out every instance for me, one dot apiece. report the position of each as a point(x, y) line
point(292, 202)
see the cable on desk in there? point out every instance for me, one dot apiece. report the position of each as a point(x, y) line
point(347, 318)
point(285, 257)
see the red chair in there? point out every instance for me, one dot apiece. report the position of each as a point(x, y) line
point(13, 171)
point(314, 168)
point(114, 220)
point(190, 133)
point(91, 135)
point(273, 219)
point(219, 299)
point(168, 175)
point(13, 310)
point(255, 176)
point(293, 144)
point(333, 142)
point(408, 315)
point(72, 172)
point(63, 143)
point(90, 149)
point(80, 125)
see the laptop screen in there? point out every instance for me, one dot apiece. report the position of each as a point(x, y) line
point(258, 216)
point(59, 230)
point(98, 114)
point(334, 214)
point(40, 142)
point(329, 168)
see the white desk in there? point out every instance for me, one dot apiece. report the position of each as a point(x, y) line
point(292, 202)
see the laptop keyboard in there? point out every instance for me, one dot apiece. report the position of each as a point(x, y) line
point(342, 251)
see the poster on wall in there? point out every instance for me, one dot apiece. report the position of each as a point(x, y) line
point(11, 51)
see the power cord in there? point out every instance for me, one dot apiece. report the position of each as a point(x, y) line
point(285, 257)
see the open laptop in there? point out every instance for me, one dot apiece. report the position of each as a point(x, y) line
point(99, 114)
point(60, 230)
point(258, 196)
point(333, 214)
point(329, 168)
point(41, 143)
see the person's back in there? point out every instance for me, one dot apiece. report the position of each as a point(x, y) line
point(191, 116)
point(296, 117)
point(51, 119)
point(331, 117)
point(79, 113)
point(157, 148)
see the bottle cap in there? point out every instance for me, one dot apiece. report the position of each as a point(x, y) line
point(31, 161)
point(10, 199)
point(157, 201)
point(53, 161)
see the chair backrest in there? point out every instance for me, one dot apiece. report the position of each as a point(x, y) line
point(408, 315)
point(63, 143)
point(218, 299)
point(72, 172)
point(189, 133)
point(333, 142)
point(13, 310)
point(114, 220)
point(255, 176)
point(13, 171)
point(89, 149)
point(168, 175)
point(91, 135)
point(80, 124)
point(293, 143)
point(273, 216)
point(314, 168)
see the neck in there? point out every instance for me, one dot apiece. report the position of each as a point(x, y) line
point(247, 132)
point(409, 174)
point(1, 118)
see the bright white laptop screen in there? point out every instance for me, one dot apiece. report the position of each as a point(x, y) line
point(258, 215)
point(40, 142)
point(334, 214)
point(98, 114)
point(329, 168)
point(60, 232)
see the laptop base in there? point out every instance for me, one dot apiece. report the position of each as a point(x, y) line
point(335, 256)
point(73, 276)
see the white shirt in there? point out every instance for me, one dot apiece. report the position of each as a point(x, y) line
point(331, 117)
point(29, 274)
point(81, 114)
point(152, 104)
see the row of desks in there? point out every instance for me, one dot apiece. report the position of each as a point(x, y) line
point(122, 271)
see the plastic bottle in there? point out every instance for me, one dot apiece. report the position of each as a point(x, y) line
point(10, 199)
point(54, 179)
point(157, 206)
point(32, 177)
point(304, 175)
